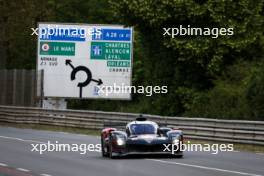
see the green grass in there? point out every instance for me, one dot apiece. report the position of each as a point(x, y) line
point(53, 128)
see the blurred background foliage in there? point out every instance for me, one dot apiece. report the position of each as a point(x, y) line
point(206, 77)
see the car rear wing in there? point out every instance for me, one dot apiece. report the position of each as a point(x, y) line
point(121, 125)
point(118, 125)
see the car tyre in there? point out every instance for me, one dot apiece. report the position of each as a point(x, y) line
point(111, 151)
point(104, 153)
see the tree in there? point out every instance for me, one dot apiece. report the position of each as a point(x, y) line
point(191, 64)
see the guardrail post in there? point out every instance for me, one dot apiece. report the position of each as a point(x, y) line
point(14, 98)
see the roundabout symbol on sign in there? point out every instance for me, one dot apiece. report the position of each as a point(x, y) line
point(88, 73)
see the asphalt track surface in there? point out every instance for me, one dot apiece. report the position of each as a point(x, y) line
point(16, 156)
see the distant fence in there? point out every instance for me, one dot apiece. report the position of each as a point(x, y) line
point(18, 87)
point(234, 131)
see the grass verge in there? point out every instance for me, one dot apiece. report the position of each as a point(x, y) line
point(53, 128)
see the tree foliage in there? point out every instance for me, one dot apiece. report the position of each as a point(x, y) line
point(194, 67)
point(151, 16)
point(207, 77)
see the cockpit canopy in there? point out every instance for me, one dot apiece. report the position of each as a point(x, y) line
point(138, 128)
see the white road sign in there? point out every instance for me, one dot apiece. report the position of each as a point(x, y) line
point(83, 61)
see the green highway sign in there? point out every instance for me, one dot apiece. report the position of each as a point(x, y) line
point(110, 51)
point(57, 48)
point(118, 63)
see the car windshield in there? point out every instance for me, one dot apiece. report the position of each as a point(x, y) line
point(142, 129)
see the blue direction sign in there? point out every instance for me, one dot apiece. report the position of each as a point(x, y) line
point(65, 34)
point(113, 35)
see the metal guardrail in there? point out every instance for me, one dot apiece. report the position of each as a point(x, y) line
point(235, 131)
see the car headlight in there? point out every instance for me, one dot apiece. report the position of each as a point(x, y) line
point(120, 141)
point(176, 139)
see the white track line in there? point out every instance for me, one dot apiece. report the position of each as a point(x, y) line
point(23, 140)
point(204, 167)
point(235, 151)
point(45, 175)
point(2, 164)
point(24, 170)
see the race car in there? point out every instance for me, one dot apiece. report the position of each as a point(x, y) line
point(140, 137)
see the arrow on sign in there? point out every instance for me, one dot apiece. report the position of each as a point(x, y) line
point(99, 81)
point(88, 73)
point(68, 62)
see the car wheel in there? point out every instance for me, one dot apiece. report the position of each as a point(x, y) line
point(104, 153)
point(111, 151)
